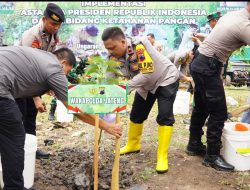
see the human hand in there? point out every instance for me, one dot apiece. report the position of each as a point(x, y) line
point(189, 79)
point(40, 105)
point(199, 35)
point(115, 129)
point(50, 93)
point(195, 39)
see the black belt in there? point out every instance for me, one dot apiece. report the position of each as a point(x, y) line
point(213, 62)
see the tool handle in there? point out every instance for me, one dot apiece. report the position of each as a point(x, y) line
point(115, 170)
point(96, 151)
point(239, 110)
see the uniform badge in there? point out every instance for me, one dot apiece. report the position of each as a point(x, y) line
point(133, 65)
point(44, 35)
point(132, 57)
point(140, 54)
point(130, 50)
point(180, 59)
point(56, 18)
point(145, 62)
point(36, 44)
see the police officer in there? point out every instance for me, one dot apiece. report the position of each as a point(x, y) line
point(231, 32)
point(212, 19)
point(156, 44)
point(28, 72)
point(181, 60)
point(42, 36)
point(197, 38)
point(160, 85)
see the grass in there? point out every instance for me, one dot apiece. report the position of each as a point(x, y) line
point(240, 94)
point(147, 173)
point(243, 180)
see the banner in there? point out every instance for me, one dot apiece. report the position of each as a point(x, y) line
point(97, 99)
point(85, 21)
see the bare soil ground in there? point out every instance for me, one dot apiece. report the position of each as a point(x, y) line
point(72, 154)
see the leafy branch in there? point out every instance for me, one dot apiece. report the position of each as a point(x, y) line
point(101, 71)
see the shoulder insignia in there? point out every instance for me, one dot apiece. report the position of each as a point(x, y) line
point(130, 50)
point(180, 59)
point(36, 44)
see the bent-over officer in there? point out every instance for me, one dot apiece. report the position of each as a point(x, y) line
point(42, 36)
point(27, 72)
point(181, 60)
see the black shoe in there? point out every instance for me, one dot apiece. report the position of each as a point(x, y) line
point(196, 149)
point(42, 155)
point(217, 162)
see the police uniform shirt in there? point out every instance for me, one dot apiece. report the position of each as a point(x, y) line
point(158, 45)
point(165, 72)
point(126, 62)
point(36, 37)
point(29, 72)
point(179, 58)
point(231, 32)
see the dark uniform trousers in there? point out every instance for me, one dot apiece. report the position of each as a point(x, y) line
point(209, 98)
point(12, 139)
point(29, 112)
point(165, 96)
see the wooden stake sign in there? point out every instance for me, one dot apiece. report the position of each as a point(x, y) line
point(97, 94)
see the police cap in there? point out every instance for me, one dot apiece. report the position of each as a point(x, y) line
point(54, 12)
point(213, 16)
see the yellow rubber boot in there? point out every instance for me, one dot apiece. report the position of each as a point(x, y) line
point(164, 136)
point(134, 138)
